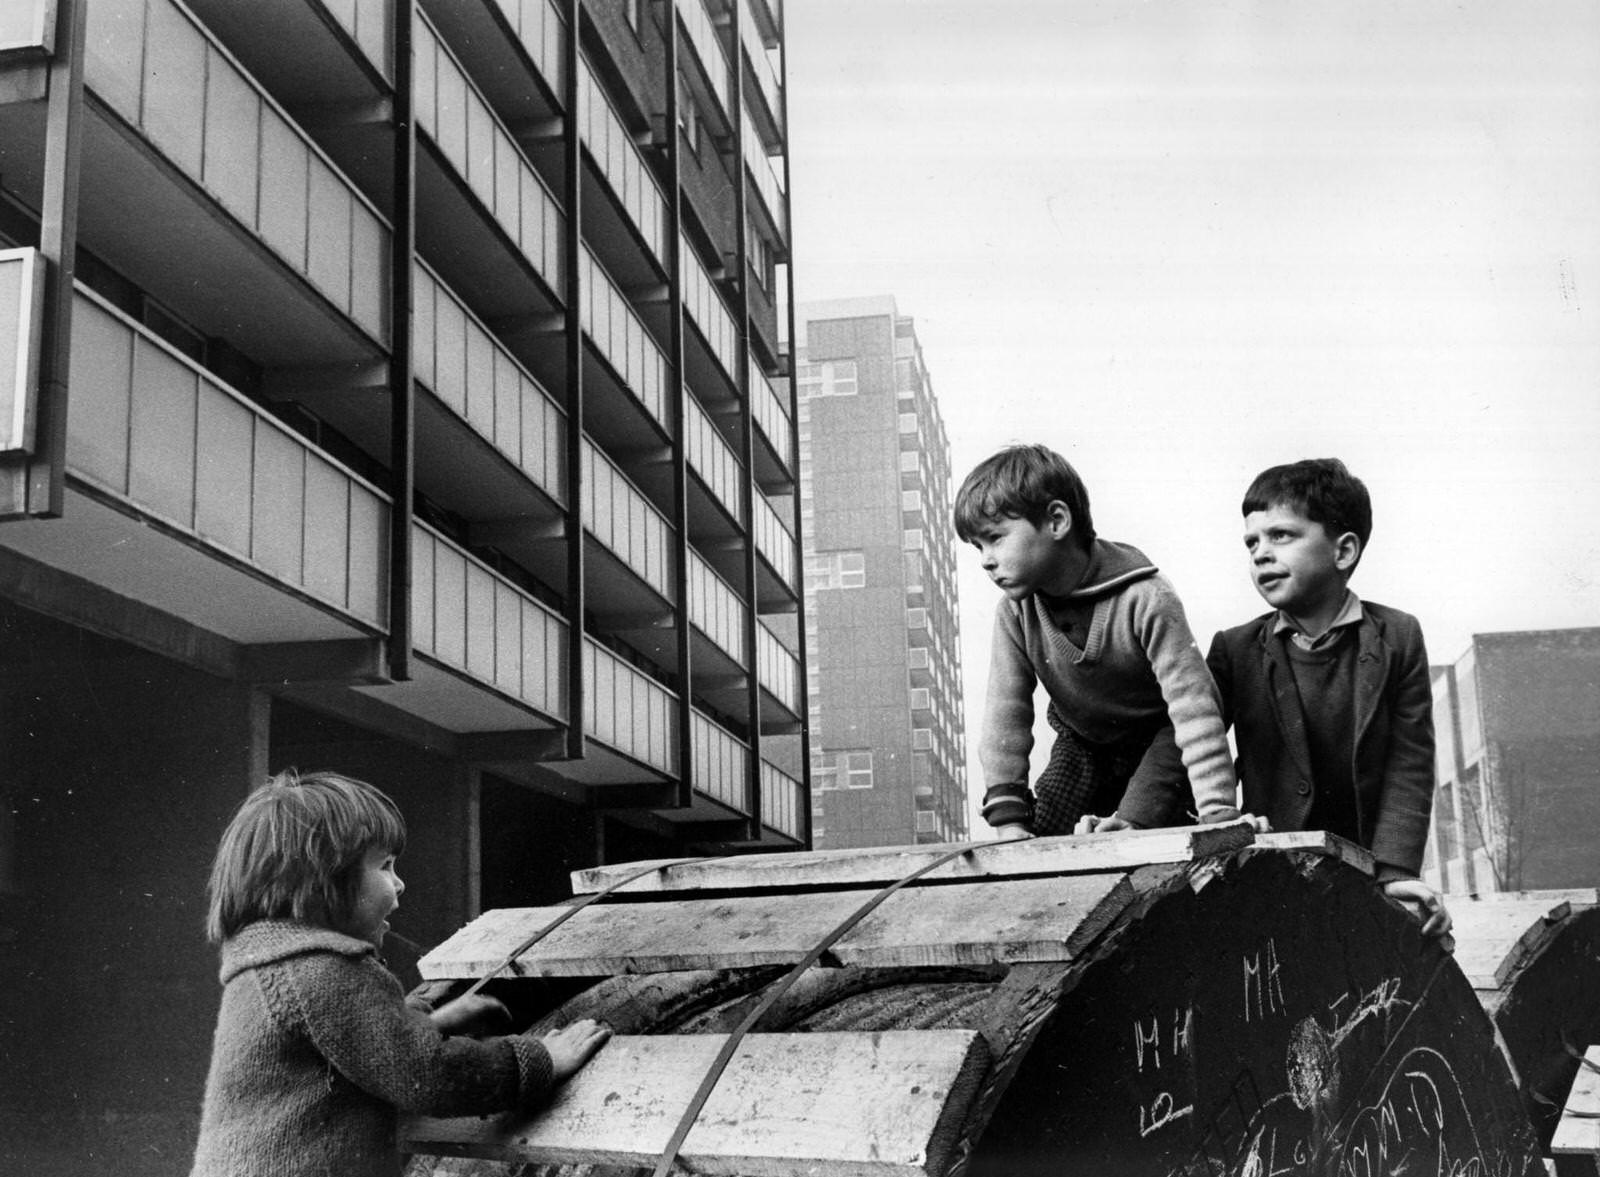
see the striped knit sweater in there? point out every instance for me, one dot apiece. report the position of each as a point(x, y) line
point(317, 1052)
point(1138, 662)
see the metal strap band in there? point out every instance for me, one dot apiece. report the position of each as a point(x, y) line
point(574, 909)
point(775, 991)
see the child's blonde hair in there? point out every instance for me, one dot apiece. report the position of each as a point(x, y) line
point(291, 850)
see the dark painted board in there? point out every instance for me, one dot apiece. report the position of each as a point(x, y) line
point(1283, 1018)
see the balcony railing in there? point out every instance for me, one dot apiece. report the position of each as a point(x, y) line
point(155, 430)
point(707, 47)
point(711, 457)
point(777, 670)
point(542, 31)
point(772, 417)
point(715, 609)
point(468, 617)
point(774, 540)
point(620, 336)
point(620, 162)
point(164, 74)
point(628, 710)
point(460, 362)
point(761, 66)
point(769, 185)
point(707, 310)
point(781, 799)
point(720, 763)
point(621, 518)
point(459, 121)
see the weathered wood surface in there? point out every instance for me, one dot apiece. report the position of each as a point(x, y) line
point(961, 924)
point(1578, 1131)
point(833, 1105)
point(1083, 854)
point(1495, 937)
point(1319, 842)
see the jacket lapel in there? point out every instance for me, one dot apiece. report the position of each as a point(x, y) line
point(1370, 674)
point(1285, 697)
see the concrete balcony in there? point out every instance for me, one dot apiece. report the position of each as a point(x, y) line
point(712, 459)
point(709, 75)
point(514, 50)
point(766, 95)
point(475, 625)
point(715, 330)
point(187, 497)
point(783, 801)
point(766, 183)
point(626, 384)
point(775, 459)
point(309, 51)
point(199, 188)
point(776, 546)
point(617, 159)
point(485, 218)
point(629, 713)
point(778, 672)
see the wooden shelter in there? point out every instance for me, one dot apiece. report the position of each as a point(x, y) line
point(1191, 1001)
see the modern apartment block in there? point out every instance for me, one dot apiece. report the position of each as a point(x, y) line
point(392, 387)
point(883, 658)
point(1517, 720)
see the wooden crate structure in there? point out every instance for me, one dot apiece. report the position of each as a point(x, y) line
point(1200, 1001)
point(1534, 959)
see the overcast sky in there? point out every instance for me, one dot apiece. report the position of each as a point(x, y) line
point(1183, 240)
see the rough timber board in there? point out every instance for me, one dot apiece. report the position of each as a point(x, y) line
point(1493, 937)
point(1004, 922)
point(1579, 1129)
point(883, 865)
point(834, 1105)
point(1320, 842)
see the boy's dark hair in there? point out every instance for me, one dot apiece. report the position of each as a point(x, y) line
point(1321, 489)
point(1020, 482)
point(292, 849)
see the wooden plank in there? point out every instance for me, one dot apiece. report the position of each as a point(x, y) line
point(852, 1104)
point(1578, 1130)
point(882, 865)
point(1320, 842)
point(993, 922)
point(1494, 937)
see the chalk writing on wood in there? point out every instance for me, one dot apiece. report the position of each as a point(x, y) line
point(1165, 1035)
point(1263, 983)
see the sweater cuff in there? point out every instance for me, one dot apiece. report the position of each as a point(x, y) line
point(535, 1074)
point(1008, 805)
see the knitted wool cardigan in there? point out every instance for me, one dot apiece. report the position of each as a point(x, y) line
point(316, 1053)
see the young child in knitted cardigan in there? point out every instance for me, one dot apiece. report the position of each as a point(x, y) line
point(316, 1050)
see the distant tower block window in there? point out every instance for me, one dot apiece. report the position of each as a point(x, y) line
point(828, 378)
point(911, 541)
point(925, 821)
point(836, 570)
point(857, 770)
point(921, 738)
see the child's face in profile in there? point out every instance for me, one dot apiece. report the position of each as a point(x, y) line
point(1296, 566)
point(1020, 557)
point(378, 890)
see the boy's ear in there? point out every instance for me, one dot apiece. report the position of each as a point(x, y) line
point(1058, 518)
point(1346, 551)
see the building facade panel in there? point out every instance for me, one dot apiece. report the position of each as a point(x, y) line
point(387, 477)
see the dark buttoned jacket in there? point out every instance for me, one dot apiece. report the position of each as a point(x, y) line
point(1392, 754)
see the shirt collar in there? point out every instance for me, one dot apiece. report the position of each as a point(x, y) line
point(1350, 613)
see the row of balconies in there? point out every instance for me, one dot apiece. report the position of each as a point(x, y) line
point(168, 443)
point(156, 74)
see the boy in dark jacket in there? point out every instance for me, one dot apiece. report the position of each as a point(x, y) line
point(1329, 696)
